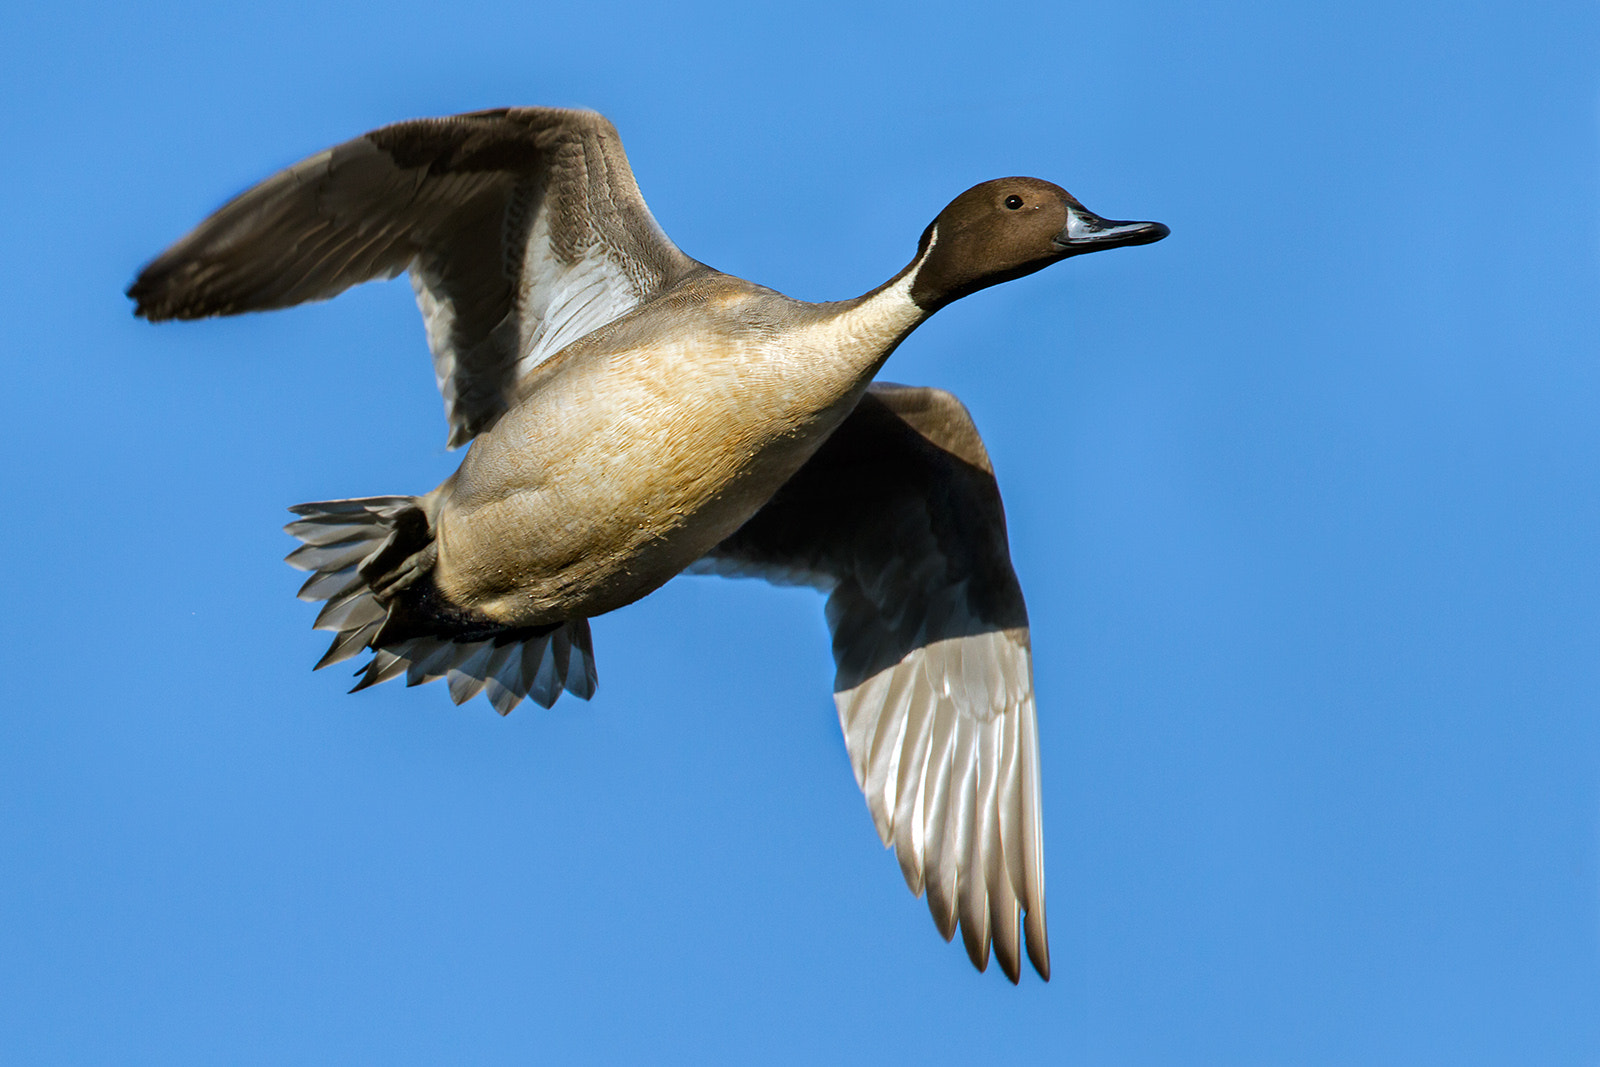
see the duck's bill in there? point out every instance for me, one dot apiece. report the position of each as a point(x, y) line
point(1088, 232)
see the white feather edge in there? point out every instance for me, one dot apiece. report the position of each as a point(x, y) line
point(965, 818)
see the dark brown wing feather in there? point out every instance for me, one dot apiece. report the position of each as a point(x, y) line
point(899, 517)
point(523, 229)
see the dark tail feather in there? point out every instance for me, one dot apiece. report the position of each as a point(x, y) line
point(357, 548)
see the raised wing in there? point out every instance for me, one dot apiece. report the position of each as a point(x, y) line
point(523, 230)
point(899, 518)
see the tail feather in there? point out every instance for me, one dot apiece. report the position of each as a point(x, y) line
point(330, 585)
point(357, 549)
point(503, 685)
point(347, 643)
point(427, 659)
point(580, 678)
point(466, 676)
point(350, 613)
point(330, 557)
point(385, 665)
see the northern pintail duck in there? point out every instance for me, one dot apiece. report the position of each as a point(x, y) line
point(634, 414)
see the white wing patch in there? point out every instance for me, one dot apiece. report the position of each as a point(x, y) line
point(470, 204)
point(560, 301)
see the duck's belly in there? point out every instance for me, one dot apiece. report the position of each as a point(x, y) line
point(616, 475)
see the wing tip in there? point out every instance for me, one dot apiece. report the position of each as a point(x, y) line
point(146, 303)
point(1011, 969)
point(976, 940)
point(1037, 943)
point(156, 298)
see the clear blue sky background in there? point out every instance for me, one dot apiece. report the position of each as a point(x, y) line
point(1306, 500)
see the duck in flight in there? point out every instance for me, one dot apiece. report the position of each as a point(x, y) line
point(633, 414)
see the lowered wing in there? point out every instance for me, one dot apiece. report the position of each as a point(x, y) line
point(899, 518)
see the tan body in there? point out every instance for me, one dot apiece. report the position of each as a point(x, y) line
point(625, 459)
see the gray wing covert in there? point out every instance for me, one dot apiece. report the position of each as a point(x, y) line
point(898, 516)
point(523, 230)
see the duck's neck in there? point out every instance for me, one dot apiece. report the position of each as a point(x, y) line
point(864, 331)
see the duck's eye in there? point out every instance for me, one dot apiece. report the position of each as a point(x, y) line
point(1013, 201)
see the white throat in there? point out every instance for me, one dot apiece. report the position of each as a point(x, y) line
point(858, 337)
point(889, 314)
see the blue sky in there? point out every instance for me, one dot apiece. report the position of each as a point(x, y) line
point(1306, 500)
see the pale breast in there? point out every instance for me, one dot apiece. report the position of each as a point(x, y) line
point(622, 467)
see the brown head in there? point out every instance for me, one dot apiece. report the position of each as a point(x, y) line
point(1009, 227)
